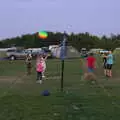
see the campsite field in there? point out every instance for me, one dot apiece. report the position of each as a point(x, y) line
point(20, 96)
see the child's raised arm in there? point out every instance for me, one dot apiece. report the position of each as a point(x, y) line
point(46, 57)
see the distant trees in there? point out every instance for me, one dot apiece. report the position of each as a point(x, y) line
point(77, 40)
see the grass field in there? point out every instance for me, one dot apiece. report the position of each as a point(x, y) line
point(20, 96)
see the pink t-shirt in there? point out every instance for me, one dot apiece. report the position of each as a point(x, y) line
point(39, 67)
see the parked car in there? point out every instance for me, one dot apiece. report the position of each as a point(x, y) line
point(103, 51)
point(43, 51)
point(16, 54)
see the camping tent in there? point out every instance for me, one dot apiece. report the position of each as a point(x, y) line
point(71, 52)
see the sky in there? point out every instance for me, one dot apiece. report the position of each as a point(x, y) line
point(98, 17)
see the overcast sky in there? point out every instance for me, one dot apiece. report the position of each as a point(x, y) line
point(98, 17)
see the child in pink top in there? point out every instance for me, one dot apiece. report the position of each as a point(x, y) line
point(40, 58)
point(39, 70)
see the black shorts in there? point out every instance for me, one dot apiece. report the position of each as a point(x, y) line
point(109, 66)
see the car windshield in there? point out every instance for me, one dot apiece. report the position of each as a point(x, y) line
point(19, 51)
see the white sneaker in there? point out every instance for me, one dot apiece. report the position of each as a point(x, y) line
point(43, 76)
point(40, 81)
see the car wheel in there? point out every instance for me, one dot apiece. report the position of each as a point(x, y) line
point(12, 57)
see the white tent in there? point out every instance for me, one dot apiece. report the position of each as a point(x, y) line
point(71, 52)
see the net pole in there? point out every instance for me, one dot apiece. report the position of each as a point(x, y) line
point(63, 47)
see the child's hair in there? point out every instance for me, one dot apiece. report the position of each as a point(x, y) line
point(39, 56)
point(110, 51)
point(27, 55)
point(105, 53)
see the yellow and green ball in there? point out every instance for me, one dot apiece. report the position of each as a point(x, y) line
point(43, 35)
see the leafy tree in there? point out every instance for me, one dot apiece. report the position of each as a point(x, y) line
point(79, 40)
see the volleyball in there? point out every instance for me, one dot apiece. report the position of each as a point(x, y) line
point(42, 34)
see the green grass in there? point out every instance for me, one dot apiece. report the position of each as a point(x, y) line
point(79, 101)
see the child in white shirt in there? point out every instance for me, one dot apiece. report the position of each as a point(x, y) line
point(44, 65)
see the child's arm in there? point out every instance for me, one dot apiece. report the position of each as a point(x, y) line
point(96, 65)
point(106, 56)
point(26, 60)
point(46, 57)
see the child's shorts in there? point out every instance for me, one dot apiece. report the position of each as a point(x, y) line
point(90, 69)
point(109, 66)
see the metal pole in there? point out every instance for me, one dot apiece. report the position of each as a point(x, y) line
point(62, 60)
point(62, 74)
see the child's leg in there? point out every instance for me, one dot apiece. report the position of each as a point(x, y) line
point(37, 75)
point(43, 73)
point(93, 76)
point(110, 71)
point(105, 69)
point(29, 70)
point(40, 77)
point(105, 72)
point(37, 80)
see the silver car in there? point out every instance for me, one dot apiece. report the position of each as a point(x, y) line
point(16, 54)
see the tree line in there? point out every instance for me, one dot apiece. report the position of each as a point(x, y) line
point(79, 41)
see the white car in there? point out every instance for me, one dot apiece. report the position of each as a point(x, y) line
point(104, 51)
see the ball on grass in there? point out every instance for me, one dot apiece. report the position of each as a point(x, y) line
point(45, 93)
